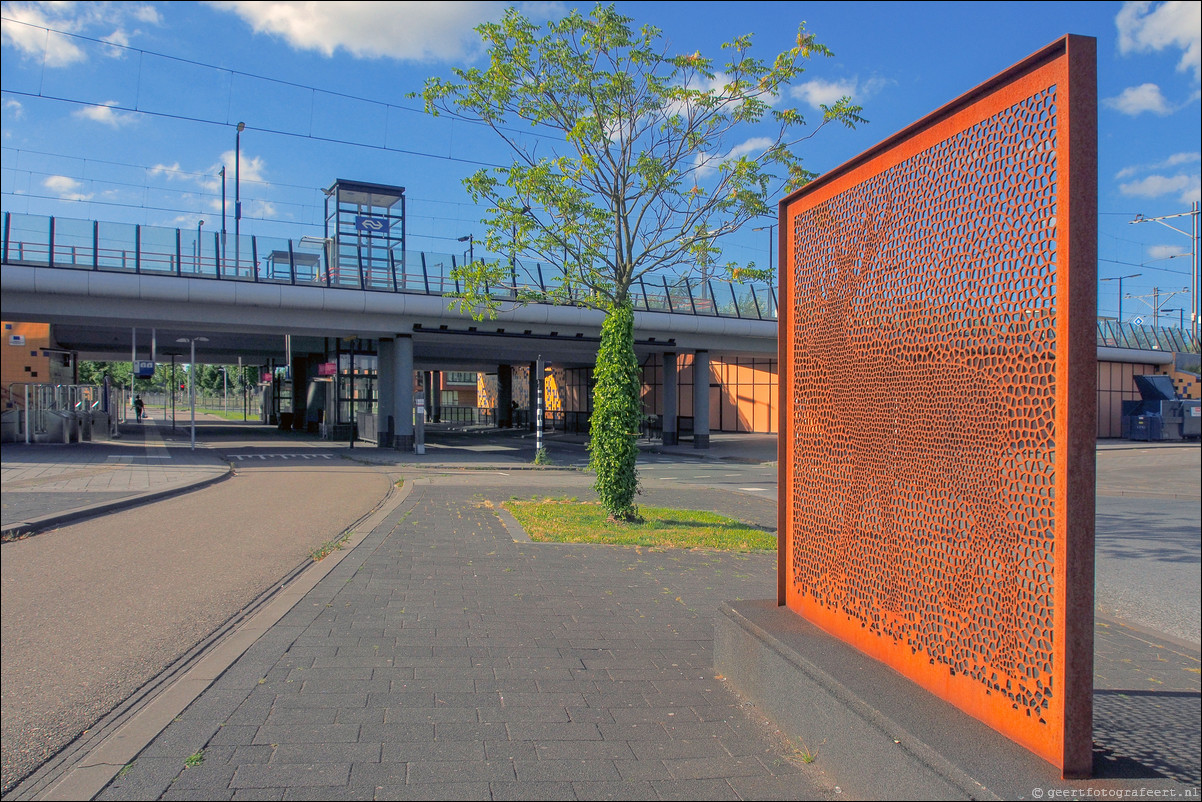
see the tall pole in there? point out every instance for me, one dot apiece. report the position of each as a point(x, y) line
point(771, 242)
point(223, 218)
point(1120, 279)
point(1195, 305)
point(192, 390)
point(1193, 250)
point(238, 196)
point(538, 421)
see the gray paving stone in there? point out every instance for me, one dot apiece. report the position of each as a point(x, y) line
point(632, 791)
point(308, 734)
point(436, 792)
point(290, 775)
point(427, 771)
point(532, 790)
point(328, 753)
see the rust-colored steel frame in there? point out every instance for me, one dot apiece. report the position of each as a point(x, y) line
point(1063, 733)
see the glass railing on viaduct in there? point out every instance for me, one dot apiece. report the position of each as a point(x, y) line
point(41, 241)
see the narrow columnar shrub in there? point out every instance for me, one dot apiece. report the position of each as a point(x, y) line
point(614, 424)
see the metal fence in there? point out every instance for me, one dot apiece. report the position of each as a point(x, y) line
point(42, 241)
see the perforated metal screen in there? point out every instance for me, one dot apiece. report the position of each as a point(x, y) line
point(937, 379)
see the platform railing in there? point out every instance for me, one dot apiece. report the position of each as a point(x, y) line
point(92, 245)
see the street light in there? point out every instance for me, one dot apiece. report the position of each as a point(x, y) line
point(199, 225)
point(471, 247)
point(192, 379)
point(1120, 279)
point(238, 196)
point(1193, 250)
point(769, 228)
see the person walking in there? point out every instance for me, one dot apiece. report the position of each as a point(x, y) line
point(138, 407)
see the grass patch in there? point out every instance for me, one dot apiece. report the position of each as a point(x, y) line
point(662, 527)
point(195, 759)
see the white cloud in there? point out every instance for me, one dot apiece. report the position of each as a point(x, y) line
point(171, 171)
point(1187, 187)
point(707, 163)
point(105, 115)
point(1152, 27)
point(27, 33)
point(823, 93)
point(14, 109)
point(1135, 100)
point(1165, 252)
point(1176, 160)
point(66, 188)
point(428, 31)
point(819, 92)
point(41, 31)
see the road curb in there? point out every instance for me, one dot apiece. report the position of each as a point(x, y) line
point(86, 767)
point(33, 526)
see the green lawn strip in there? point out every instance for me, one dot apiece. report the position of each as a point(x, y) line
point(662, 527)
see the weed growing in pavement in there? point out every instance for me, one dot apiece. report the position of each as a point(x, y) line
point(195, 759)
point(330, 546)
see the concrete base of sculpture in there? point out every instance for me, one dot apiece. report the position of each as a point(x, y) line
point(875, 733)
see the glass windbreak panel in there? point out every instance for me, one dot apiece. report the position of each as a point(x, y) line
point(724, 301)
point(72, 243)
point(653, 297)
point(158, 250)
point(745, 300)
point(28, 239)
point(681, 299)
point(438, 271)
point(345, 270)
point(198, 257)
point(275, 262)
point(308, 262)
point(238, 256)
point(115, 250)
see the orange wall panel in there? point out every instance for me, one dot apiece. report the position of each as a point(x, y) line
point(938, 378)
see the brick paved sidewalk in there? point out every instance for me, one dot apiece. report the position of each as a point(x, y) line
point(442, 659)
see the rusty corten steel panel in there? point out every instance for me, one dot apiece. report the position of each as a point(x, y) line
point(937, 374)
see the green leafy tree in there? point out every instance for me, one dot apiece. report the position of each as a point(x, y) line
point(640, 162)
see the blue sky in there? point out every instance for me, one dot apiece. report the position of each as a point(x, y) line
point(126, 112)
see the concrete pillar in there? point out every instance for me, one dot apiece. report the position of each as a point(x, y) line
point(436, 394)
point(701, 399)
point(385, 390)
point(395, 388)
point(300, 389)
point(670, 434)
point(504, 396)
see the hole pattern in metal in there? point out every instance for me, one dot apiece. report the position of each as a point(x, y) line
point(929, 502)
point(926, 416)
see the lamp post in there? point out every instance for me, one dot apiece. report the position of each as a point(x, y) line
point(238, 196)
point(769, 228)
point(1193, 250)
point(192, 341)
point(223, 218)
point(199, 225)
point(1120, 279)
point(471, 247)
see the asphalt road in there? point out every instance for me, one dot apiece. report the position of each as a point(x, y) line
point(93, 611)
